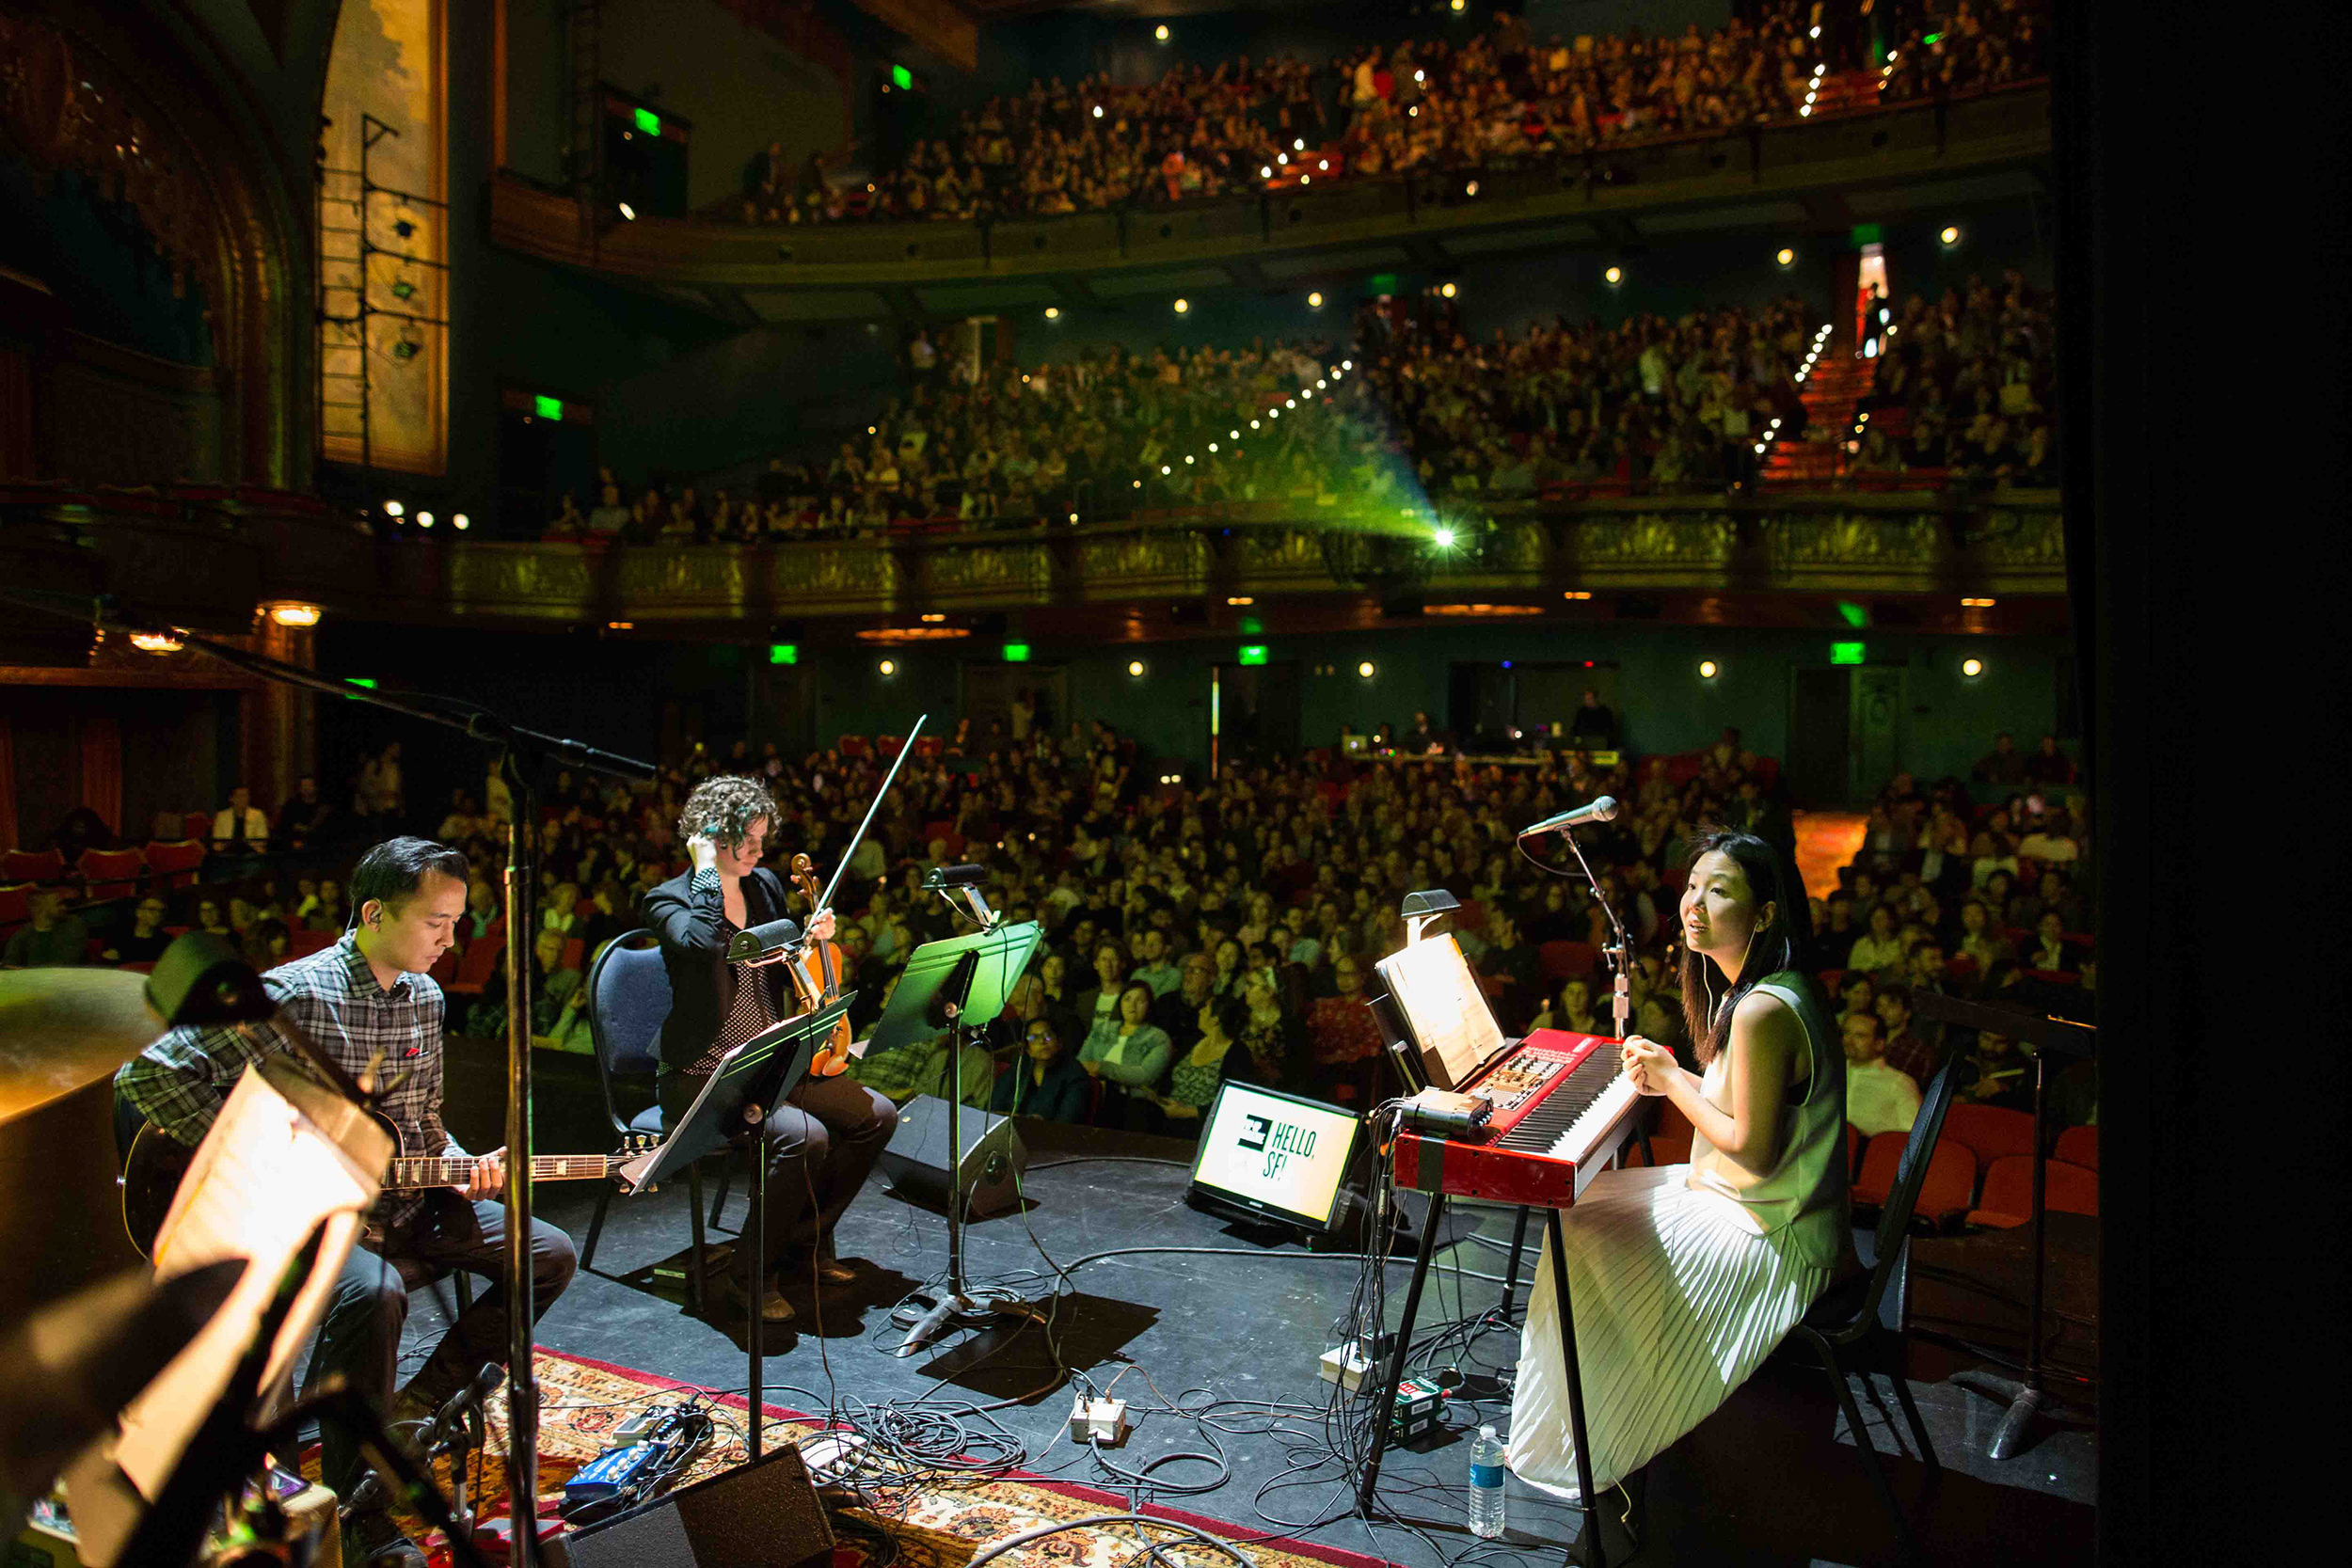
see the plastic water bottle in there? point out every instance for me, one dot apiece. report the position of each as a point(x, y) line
point(1485, 1484)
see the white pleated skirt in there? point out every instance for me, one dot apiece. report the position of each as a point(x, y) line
point(1678, 1301)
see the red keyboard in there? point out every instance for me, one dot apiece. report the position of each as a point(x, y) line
point(1562, 1107)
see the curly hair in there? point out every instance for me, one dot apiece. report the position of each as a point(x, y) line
point(723, 809)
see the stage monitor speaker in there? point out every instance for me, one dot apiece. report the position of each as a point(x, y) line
point(988, 1167)
point(765, 1514)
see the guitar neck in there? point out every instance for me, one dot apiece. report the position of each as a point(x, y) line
point(457, 1170)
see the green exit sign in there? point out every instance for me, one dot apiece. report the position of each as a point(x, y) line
point(1016, 653)
point(1253, 653)
point(784, 652)
point(901, 78)
point(648, 121)
point(546, 407)
point(1845, 653)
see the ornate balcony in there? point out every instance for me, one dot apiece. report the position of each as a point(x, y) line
point(207, 559)
point(1831, 170)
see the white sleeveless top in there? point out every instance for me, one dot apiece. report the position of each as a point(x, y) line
point(1805, 1191)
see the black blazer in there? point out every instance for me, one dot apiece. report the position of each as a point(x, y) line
point(691, 927)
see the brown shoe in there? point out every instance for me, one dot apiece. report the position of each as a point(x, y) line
point(773, 1307)
point(829, 1269)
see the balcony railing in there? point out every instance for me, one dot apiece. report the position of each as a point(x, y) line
point(207, 557)
point(1750, 173)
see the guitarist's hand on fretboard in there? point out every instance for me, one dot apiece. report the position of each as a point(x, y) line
point(490, 1175)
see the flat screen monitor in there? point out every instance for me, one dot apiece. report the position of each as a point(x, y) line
point(1266, 1153)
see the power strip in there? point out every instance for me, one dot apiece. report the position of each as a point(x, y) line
point(1101, 1422)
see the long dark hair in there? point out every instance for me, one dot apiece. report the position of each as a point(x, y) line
point(1777, 947)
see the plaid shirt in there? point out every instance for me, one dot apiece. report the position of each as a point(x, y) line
point(332, 996)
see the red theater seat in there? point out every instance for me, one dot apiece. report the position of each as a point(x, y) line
point(2078, 1146)
point(2008, 1199)
point(1951, 1180)
point(111, 873)
point(171, 866)
point(1989, 1131)
point(1561, 959)
point(30, 866)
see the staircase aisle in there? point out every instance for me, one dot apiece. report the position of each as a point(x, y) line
point(1837, 382)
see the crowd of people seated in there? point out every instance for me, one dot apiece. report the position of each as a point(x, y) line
point(1966, 384)
point(1651, 402)
point(1500, 99)
point(1977, 890)
point(1089, 433)
point(1422, 413)
point(1226, 930)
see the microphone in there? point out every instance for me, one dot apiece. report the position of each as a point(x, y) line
point(453, 1412)
point(941, 877)
point(1600, 809)
point(763, 942)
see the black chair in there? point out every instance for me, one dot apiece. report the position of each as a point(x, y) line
point(628, 1000)
point(1843, 1328)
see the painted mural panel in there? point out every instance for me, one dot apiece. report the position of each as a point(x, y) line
point(383, 358)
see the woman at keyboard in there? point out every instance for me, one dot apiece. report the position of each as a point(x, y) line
point(1686, 1276)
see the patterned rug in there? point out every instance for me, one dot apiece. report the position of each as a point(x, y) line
point(582, 1402)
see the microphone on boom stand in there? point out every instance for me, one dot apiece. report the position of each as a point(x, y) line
point(1601, 808)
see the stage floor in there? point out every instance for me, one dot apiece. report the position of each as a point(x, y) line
point(1766, 1480)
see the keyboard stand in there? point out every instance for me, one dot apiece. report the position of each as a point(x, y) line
point(1588, 1549)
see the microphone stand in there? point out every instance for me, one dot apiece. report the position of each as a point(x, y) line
point(515, 743)
point(1618, 953)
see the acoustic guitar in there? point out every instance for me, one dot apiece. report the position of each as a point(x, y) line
point(151, 1173)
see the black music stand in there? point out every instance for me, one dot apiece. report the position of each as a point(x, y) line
point(2026, 1397)
point(959, 983)
point(750, 1081)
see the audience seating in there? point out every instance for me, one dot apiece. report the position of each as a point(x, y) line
point(195, 824)
point(2008, 1199)
point(2078, 1146)
point(1561, 959)
point(111, 873)
point(479, 959)
point(1990, 1131)
point(2051, 977)
point(31, 865)
point(16, 903)
point(174, 864)
point(1943, 1197)
point(850, 745)
point(302, 942)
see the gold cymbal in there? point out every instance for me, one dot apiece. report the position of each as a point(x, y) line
point(61, 1029)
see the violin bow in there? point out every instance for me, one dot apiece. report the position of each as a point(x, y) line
point(859, 838)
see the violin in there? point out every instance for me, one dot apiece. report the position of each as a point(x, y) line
point(817, 976)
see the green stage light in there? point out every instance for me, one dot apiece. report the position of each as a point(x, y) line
point(1855, 615)
point(360, 681)
point(546, 407)
point(1845, 653)
point(1252, 652)
point(648, 121)
point(784, 652)
point(1016, 653)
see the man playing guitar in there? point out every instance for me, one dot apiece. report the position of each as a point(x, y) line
point(826, 1135)
point(365, 996)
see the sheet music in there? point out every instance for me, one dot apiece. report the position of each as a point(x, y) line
point(1451, 1022)
point(263, 1178)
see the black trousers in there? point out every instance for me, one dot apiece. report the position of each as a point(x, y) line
point(822, 1143)
point(359, 1337)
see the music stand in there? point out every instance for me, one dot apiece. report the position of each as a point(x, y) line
point(2026, 1397)
point(750, 1081)
point(959, 983)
